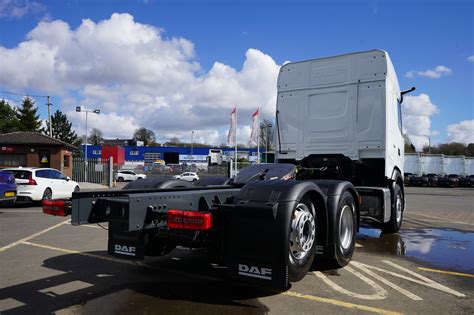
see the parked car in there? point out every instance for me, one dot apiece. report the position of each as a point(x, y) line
point(8, 189)
point(424, 180)
point(452, 180)
point(432, 179)
point(36, 184)
point(467, 181)
point(187, 176)
point(122, 176)
point(413, 180)
point(407, 179)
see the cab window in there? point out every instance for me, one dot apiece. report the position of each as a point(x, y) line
point(399, 109)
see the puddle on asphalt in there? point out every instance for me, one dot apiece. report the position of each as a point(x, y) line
point(445, 248)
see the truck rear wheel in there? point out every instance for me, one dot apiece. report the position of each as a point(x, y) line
point(345, 234)
point(346, 231)
point(302, 244)
point(396, 214)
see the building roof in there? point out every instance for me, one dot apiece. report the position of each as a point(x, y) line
point(32, 138)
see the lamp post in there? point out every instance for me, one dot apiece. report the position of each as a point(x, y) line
point(192, 141)
point(95, 111)
point(266, 142)
point(429, 143)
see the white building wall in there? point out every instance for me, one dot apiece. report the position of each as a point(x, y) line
point(454, 165)
point(412, 164)
point(431, 164)
point(438, 164)
point(469, 165)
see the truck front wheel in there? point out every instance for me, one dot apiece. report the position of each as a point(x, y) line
point(302, 244)
point(396, 214)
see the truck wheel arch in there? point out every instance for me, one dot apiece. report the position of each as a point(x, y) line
point(397, 178)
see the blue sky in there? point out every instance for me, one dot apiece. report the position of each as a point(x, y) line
point(419, 35)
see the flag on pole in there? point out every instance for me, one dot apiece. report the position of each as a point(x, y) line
point(233, 126)
point(255, 127)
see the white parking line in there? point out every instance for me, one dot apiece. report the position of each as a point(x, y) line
point(4, 248)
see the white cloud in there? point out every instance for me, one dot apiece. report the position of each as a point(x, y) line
point(470, 58)
point(15, 9)
point(462, 132)
point(417, 112)
point(138, 77)
point(435, 73)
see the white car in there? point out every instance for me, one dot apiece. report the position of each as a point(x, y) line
point(122, 176)
point(187, 176)
point(36, 184)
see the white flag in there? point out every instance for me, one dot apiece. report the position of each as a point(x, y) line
point(255, 127)
point(232, 129)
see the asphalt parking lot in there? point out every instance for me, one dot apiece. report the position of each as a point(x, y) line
point(47, 265)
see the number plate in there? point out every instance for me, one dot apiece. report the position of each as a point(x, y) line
point(10, 194)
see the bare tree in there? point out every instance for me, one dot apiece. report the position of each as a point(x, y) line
point(145, 135)
point(96, 137)
point(267, 132)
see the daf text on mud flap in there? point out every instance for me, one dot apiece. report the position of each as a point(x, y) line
point(256, 272)
point(125, 250)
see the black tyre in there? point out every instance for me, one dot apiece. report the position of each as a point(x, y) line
point(396, 214)
point(76, 189)
point(345, 232)
point(302, 243)
point(120, 179)
point(47, 194)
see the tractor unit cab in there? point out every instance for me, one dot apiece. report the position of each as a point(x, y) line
point(340, 118)
point(342, 115)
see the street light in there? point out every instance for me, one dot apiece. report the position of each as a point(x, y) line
point(95, 111)
point(192, 141)
point(269, 125)
point(429, 143)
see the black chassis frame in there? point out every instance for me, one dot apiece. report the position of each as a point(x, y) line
point(250, 224)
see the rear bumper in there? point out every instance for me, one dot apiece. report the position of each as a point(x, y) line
point(28, 194)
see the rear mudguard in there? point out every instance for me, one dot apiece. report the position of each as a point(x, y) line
point(256, 227)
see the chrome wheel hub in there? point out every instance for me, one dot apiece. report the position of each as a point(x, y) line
point(303, 232)
point(398, 208)
point(346, 227)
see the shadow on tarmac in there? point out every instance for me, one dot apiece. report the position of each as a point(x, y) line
point(91, 285)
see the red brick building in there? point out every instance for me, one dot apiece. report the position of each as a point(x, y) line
point(33, 149)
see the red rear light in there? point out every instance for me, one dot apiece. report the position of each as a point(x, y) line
point(56, 207)
point(31, 181)
point(189, 220)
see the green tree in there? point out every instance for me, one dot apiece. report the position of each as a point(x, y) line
point(62, 128)
point(27, 118)
point(9, 121)
point(145, 135)
point(96, 137)
point(470, 149)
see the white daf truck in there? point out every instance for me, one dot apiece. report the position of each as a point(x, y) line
point(340, 118)
point(339, 161)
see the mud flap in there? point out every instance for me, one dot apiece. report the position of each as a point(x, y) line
point(256, 242)
point(123, 244)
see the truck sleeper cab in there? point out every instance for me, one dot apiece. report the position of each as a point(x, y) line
point(340, 118)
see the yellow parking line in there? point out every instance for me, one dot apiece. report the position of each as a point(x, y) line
point(340, 303)
point(32, 236)
point(447, 272)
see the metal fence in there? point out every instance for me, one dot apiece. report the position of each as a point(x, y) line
point(94, 171)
